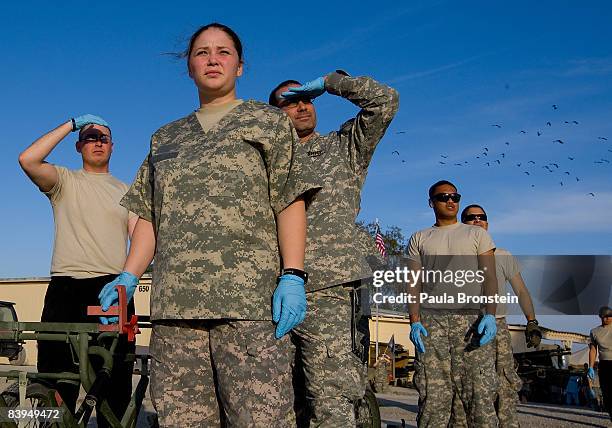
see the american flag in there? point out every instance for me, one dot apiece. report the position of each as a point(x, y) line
point(391, 346)
point(380, 243)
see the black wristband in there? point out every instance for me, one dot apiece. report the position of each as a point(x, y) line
point(74, 128)
point(296, 272)
point(533, 322)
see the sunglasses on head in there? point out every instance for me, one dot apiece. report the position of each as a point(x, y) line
point(473, 217)
point(444, 197)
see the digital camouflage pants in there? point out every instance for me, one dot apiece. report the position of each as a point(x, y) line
point(331, 358)
point(453, 362)
point(221, 373)
point(509, 383)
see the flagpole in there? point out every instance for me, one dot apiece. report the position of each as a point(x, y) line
point(377, 311)
point(377, 316)
point(393, 365)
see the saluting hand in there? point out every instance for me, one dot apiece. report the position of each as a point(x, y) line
point(87, 119)
point(288, 304)
point(310, 89)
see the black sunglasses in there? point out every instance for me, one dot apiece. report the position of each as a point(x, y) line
point(444, 197)
point(95, 137)
point(472, 217)
point(293, 101)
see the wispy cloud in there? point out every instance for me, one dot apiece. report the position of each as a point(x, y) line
point(557, 213)
point(577, 67)
point(359, 34)
point(436, 70)
point(589, 67)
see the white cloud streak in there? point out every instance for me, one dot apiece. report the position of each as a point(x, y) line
point(589, 67)
point(432, 71)
point(360, 34)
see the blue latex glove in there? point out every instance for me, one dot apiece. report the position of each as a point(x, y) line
point(416, 330)
point(288, 304)
point(489, 327)
point(310, 89)
point(591, 373)
point(88, 119)
point(109, 296)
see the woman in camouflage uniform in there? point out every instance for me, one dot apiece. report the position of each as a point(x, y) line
point(217, 196)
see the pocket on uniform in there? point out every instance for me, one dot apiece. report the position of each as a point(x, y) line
point(513, 379)
point(261, 341)
point(338, 349)
point(158, 157)
point(256, 350)
point(419, 378)
point(344, 373)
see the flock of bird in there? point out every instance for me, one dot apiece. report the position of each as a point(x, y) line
point(562, 171)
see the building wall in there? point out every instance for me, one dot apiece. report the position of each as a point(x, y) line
point(399, 328)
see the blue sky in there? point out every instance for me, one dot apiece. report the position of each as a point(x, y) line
point(460, 68)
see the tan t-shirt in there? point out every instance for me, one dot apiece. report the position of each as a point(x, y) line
point(506, 268)
point(431, 247)
point(91, 228)
point(602, 338)
point(208, 116)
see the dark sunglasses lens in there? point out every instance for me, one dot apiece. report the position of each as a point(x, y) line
point(472, 217)
point(294, 101)
point(92, 138)
point(444, 197)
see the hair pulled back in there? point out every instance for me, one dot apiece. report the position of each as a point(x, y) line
point(227, 30)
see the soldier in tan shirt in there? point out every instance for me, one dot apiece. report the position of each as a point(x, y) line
point(90, 246)
point(447, 361)
point(601, 342)
point(508, 271)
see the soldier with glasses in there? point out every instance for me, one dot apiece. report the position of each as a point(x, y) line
point(508, 271)
point(332, 341)
point(90, 247)
point(452, 341)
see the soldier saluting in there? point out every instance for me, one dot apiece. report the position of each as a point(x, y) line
point(339, 161)
point(90, 245)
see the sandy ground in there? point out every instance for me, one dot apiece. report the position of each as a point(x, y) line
point(401, 403)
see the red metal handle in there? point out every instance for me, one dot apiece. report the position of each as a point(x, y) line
point(124, 326)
